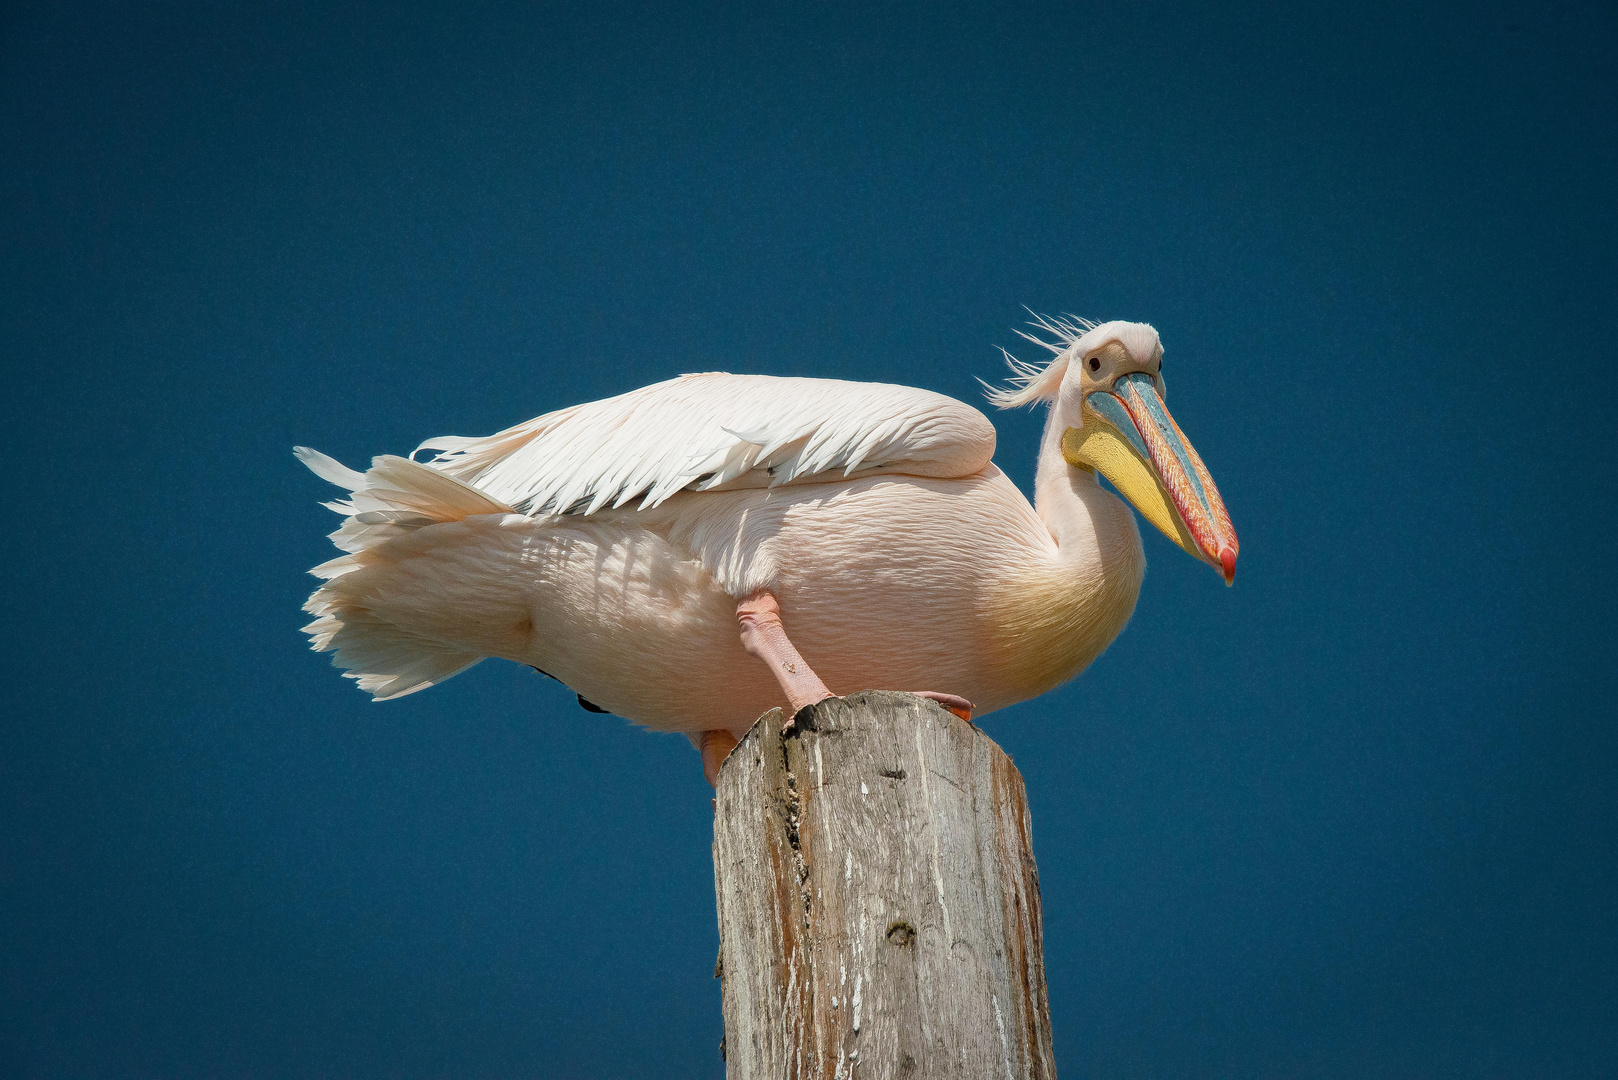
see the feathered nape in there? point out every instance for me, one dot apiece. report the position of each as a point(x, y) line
point(1034, 382)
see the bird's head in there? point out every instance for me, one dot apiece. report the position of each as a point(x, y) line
point(1107, 386)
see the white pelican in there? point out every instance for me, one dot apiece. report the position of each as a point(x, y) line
point(655, 550)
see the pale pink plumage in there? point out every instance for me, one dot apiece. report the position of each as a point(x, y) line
point(607, 544)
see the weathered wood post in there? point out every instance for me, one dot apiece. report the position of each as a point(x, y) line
point(878, 902)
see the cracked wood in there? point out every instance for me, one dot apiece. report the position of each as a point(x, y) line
point(878, 901)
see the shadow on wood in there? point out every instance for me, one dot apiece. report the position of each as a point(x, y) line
point(878, 901)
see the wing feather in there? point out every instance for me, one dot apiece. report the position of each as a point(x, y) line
point(704, 432)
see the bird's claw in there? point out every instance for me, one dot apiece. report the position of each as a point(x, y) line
point(950, 702)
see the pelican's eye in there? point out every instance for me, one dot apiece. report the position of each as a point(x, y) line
point(1095, 363)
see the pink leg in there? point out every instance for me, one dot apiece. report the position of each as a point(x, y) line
point(759, 614)
point(763, 635)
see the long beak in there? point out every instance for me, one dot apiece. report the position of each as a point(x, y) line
point(1130, 438)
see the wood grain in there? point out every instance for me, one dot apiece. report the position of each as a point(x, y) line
point(878, 901)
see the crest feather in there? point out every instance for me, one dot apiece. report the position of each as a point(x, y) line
point(1039, 382)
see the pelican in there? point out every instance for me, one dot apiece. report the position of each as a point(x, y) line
point(693, 553)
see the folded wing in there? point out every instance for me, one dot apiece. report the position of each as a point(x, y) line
point(704, 432)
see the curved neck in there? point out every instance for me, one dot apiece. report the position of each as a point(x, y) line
point(1071, 503)
point(1056, 612)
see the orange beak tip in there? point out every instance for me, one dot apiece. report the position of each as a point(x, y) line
point(1227, 563)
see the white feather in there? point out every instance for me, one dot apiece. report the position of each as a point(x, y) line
point(703, 432)
point(607, 544)
point(1073, 336)
point(329, 469)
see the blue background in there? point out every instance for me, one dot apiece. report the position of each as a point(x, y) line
point(1352, 818)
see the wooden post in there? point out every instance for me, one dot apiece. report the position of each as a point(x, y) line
point(878, 902)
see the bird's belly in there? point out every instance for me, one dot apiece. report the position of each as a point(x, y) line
point(884, 583)
point(636, 627)
point(903, 608)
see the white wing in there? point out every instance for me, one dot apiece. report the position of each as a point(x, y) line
point(717, 430)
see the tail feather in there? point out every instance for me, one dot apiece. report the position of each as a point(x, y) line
point(329, 469)
point(393, 499)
